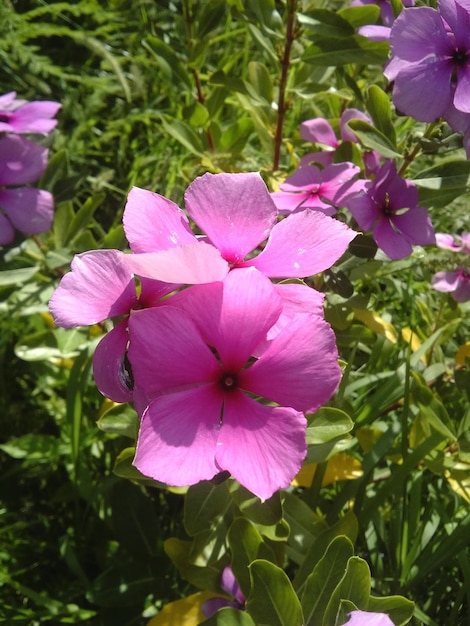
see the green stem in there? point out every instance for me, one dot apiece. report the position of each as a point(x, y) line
point(285, 61)
point(409, 158)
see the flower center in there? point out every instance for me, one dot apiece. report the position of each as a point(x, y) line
point(386, 208)
point(4, 118)
point(228, 382)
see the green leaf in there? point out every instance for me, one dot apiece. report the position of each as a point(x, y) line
point(346, 526)
point(378, 105)
point(267, 513)
point(326, 575)
point(326, 23)
point(336, 51)
point(124, 469)
point(354, 586)
point(120, 419)
point(398, 608)
point(273, 601)
point(328, 423)
point(260, 79)
point(246, 545)
point(184, 134)
point(18, 276)
point(440, 184)
point(373, 139)
point(228, 616)
point(305, 526)
point(204, 504)
point(82, 218)
point(203, 577)
point(360, 15)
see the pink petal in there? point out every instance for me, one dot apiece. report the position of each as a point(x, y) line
point(178, 436)
point(364, 618)
point(287, 202)
point(300, 368)
point(303, 244)
point(7, 100)
point(7, 232)
point(34, 117)
point(192, 263)
point(446, 281)
point(234, 210)
point(233, 316)
point(447, 242)
point(261, 446)
point(418, 33)
point(318, 130)
point(30, 211)
point(167, 353)
point(21, 161)
point(306, 178)
point(364, 210)
point(314, 158)
point(394, 244)
point(375, 32)
point(98, 287)
point(153, 223)
point(347, 115)
point(108, 364)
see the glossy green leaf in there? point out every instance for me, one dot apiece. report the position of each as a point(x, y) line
point(374, 139)
point(378, 106)
point(398, 608)
point(202, 576)
point(328, 423)
point(323, 580)
point(246, 545)
point(267, 513)
point(120, 419)
point(16, 277)
point(336, 51)
point(273, 601)
point(441, 184)
point(204, 504)
point(184, 134)
point(305, 526)
point(228, 616)
point(354, 586)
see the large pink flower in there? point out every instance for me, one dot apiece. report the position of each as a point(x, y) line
point(195, 369)
point(237, 215)
point(364, 618)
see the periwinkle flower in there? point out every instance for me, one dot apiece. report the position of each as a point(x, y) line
point(25, 209)
point(365, 618)
point(389, 208)
point(430, 63)
point(454, 243)
point(195, 368)
point(20, 116)
point(231, 587)
point(456, 282)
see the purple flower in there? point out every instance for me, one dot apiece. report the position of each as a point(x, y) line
point(377, 32)
point(19, 116)
point(313, 188)
point(231, 587)
point(25, 209)
point(389, 208)
point(364, 618)
point(194, 366)
point(457, 283)
point(430, 63)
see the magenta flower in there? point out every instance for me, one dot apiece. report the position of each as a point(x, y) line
point(236, 214)
point(19, 116)
point(195, 368)
point(364, 618)
point(430, 63)
point(389, 208)
point(312, 188)
point(25, 209)
point(454, 243)
point(231, 587)
point(457, 283)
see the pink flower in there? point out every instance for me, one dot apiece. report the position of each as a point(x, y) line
point(194, 367)
point(454, 243)
point(19, 116)
point(389, 207)
point(231, 587)
point(457, 283)
point(236, 214)
point(312, 188)
point(364, 618)
point(25, 209)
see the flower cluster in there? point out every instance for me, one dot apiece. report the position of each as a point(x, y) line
point(430, 64)
point(385, 204)
point(22, 162)
point(457, 281)
point(220, 362)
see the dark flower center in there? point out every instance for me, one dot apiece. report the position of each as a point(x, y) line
point(125, 373)
point(386, 208)
point(460, 57)
point(228, 382)
point(4, 118)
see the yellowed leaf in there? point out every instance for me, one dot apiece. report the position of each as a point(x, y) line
point(462, 353)
point(340, 467)
point(460, 482)
point(184, 612)
point(411, 338)
point(376, 324)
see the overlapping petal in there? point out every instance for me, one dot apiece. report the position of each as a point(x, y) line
point(99, 286)
point(30, 210)
point(301, 245)
point(234, 210)
point(153, 223)
point(21, 161)
point(109, 368)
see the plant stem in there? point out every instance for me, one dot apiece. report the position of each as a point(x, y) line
point(282, 105)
